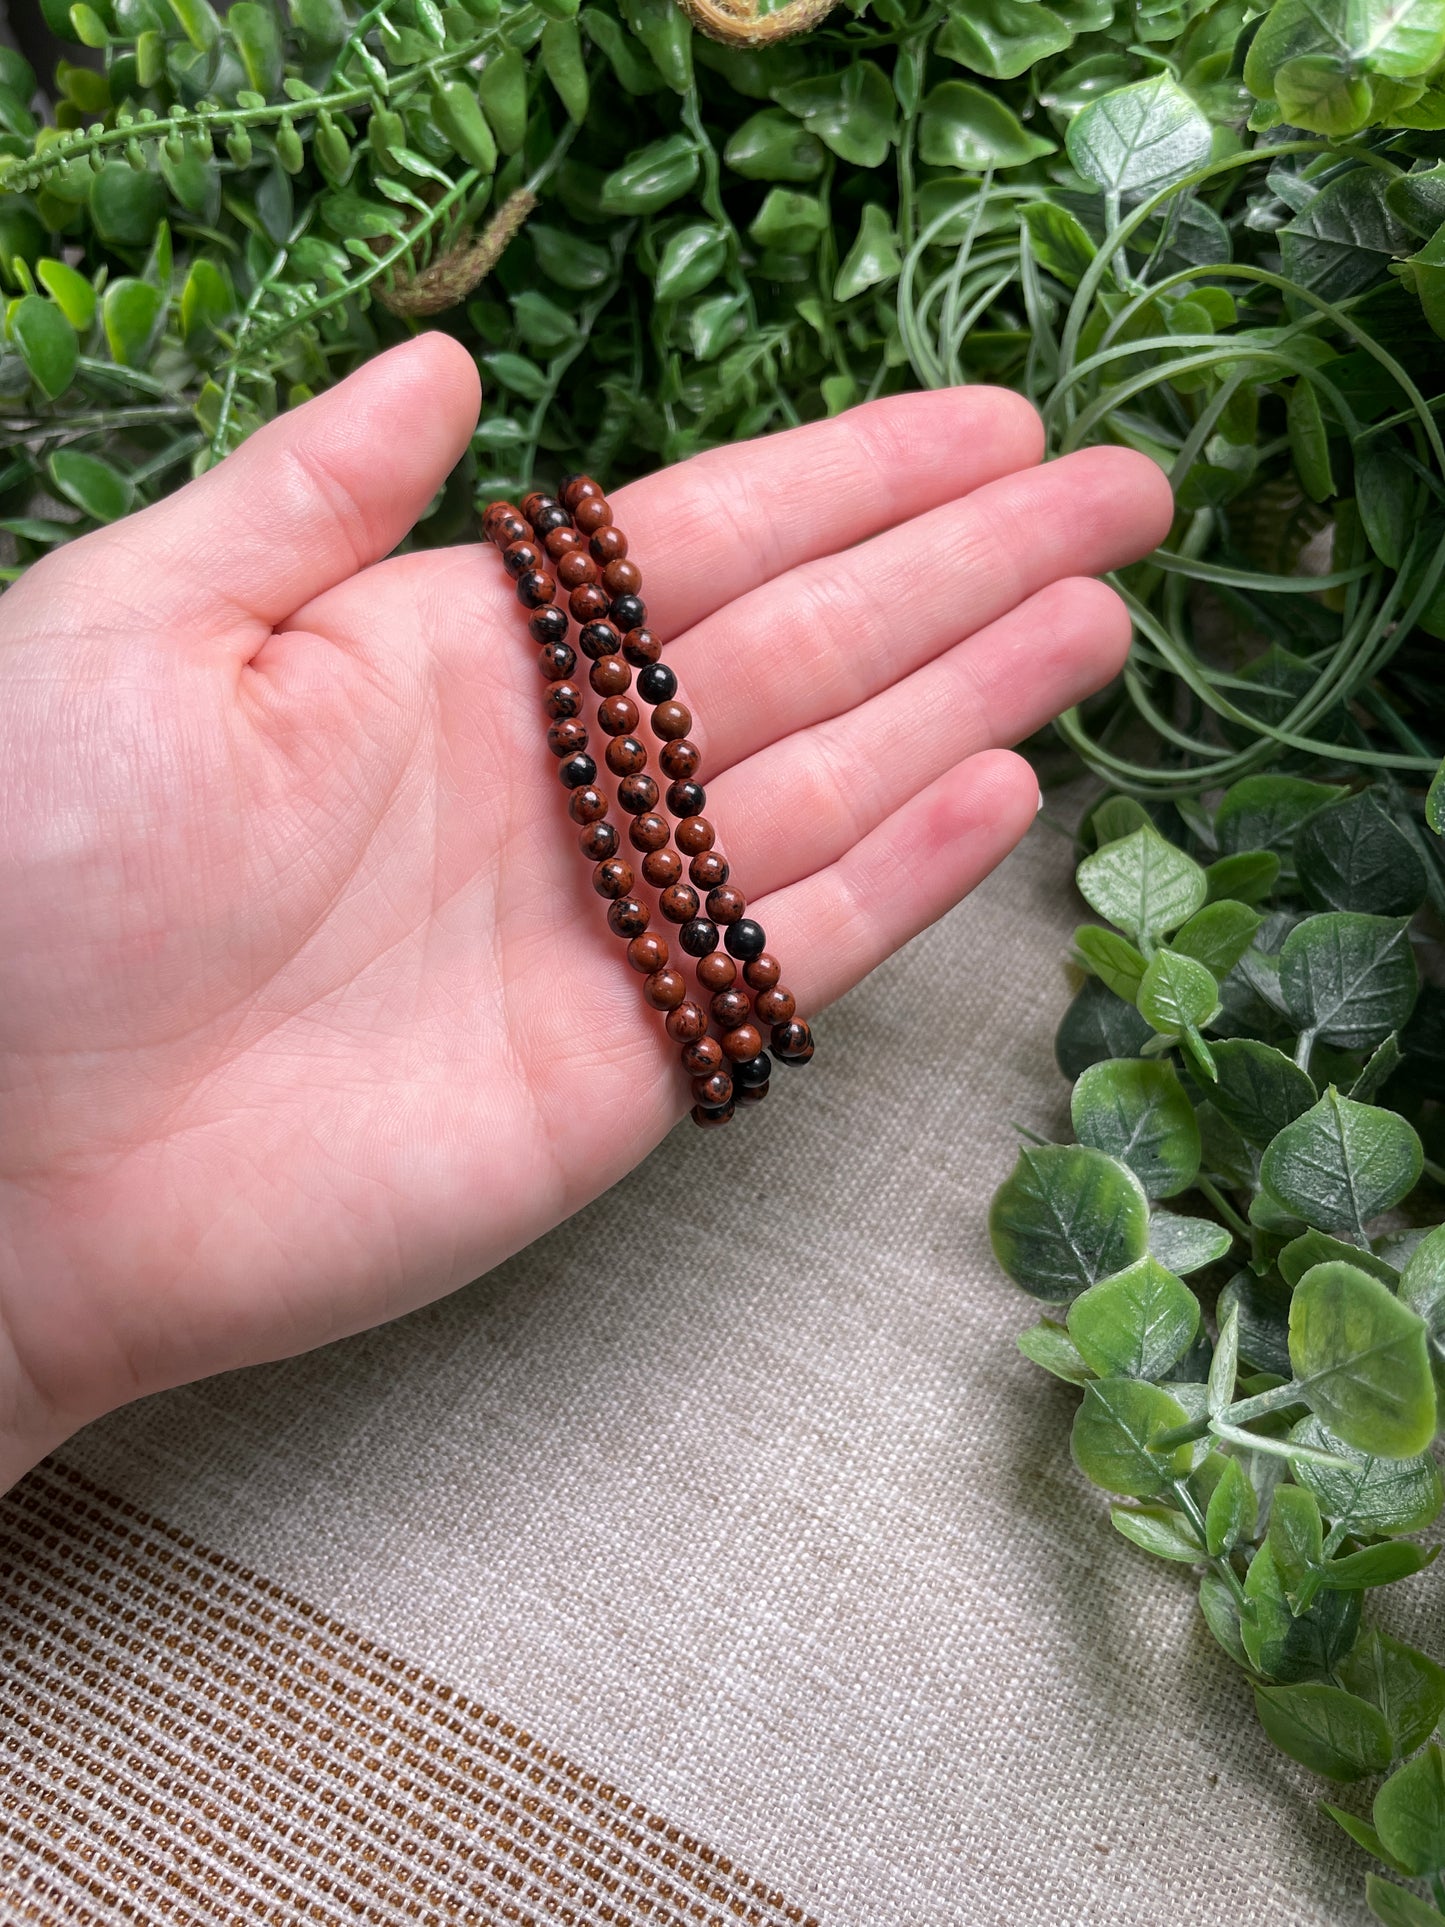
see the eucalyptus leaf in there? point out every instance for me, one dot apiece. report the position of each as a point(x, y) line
point(1360, 1361)
point(1139, 138)
point(1114, 1431)
point(1177, 994)
point(1349, 978)
point(1332, 1732)
point(1405, 1684)
point(1409, 1812)
point(1135, 1324)
point(1096, 1025)
point(1137, 1111)
point(1050, 1346)
point(1186, 1244)
point(1068, 1217)
point(1218, 935)
point(1291, 1647)
point(1397, 1907)
point(1232, 1511)
point(1258, 1089)
point(1143, 885)
point(1351, 856)
point(1159, 1530)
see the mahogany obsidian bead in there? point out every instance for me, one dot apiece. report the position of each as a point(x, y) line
point(607, 544)
point(588, 604)
point(750, 1071)
point(617, 716)
point(708, 869)
point(670, 721)
point(656, 683)
point(593, 512)
point(679, 760)
point(731, 1008)
point(745, 938)
point(629, 916)
point(626, 756)
point(700, 1114)
point(662, 868)
point(577, 772)
point(503, 525)
point(698, 937)
point(678, 903)
point(687, 1022)
point(629, 611)
point(665, 989)
point(713, 1090)
point(609, 675)
point(613, 878)
point(599, 841)
point(750, 1094)
point(702, 1055)
point(694, 834)
point(549, 519)
point(598, 639)
point(535, 589)
point(648, 832)
point(621, 577)
point(574, 568)
point(792, 1043)
point(648, 953)
point(575, 488)
point(556, 659)
point(726, 903)
point(520, 557)
point(637, 795)
point(587, 805)
point(716, 971)
point(761, 972)
point(686, 799)
point(561, 542)
point(776, 1005)
point(641, 646)
point(742, 1042)
point(563, 699)
point(534, 503)
point(548, 624)
point(567, 736)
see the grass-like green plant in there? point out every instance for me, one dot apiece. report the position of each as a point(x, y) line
point(1241, 1259)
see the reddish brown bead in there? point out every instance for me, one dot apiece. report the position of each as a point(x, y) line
point(678, 903)
point(617, 716)
point(575, 569)
point(556, 660)
point(576, 488)
point(598, 638)
point(708, 869)
point(589, 603)
point(665, 989)
point(686, 799)
point(717, 971)
point(560, 542)
point(792, 1042)
point(637, 795)
point(548, 624)
point(662, 868)
point(709, 1120)
point(533, 504)
point(687, 1022)
point(641, 646)
point(563, 699)
point(613, 878)
point(731, 1008)
point(679, 760)
point(714, 1089)
point(726, 903)
point(503, 525)
point(629, 917)
point(670, 721)
point(599, 841)
point(702, 1056)
point(648, 953)
point(519, 558)
point(592, 513)
point(776, 1005)
point(763, 971)
point(751, 1093)
point(608, 544)
point(536, 589)
point(694, 833)
point(567, 736)
point(742, 1042)
point(587, 805)
point(626, 756)
point(621, 577)
point(609, 675)
point(648, 832)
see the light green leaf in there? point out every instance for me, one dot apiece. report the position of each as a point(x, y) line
point(1370, 1494)
point(1332, 1732)
point(1112, 958)
point(1002, 38)
point(1160, 1530)
point(1113, 1431)
point(693, 257)
point(1218, 935)
point(1139, 138)
point(96, 488)
point(1313, 1248)
point(1177, 994)
point(1409, 1813)
point(1050, 1346)
point(874, 259)
point(1341, 1164)
point(1396, 1907)
point(1142, 884)
point(71, 292)
point(132, 312)
point(1186, 1244)
point(772, 146)
point(1067, 1217)
point(1135, 1324)
point(1296, 1535)
point(851, 110)
point(47, 343)
point(1361, 1362)
point(964, 127)
point(1137, 1111)
point(1405, 1684)
point(1249, 875)
point(1232, 1511)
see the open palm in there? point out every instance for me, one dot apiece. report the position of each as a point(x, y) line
point(307, 1010)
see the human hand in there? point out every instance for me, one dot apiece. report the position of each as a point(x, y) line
point(307, 1010)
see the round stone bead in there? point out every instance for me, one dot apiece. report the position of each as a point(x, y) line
point(607, 544)
point(776, 1005)
point(520, 558)
point(701, 1115)
point(716, 971)
point(577, 772)
point(693, 835)
point(641, 646)
point(621, 577)
point(743, 1042)
point(656, 683)
point(629, 611)
point(629, 917)
point(626, 756)
point(662, 868)
point(702, 1056)
point(560, 542)
point(670, 720)
point(613, 878)
point(575, 488)
point(575, 569)
point(679, 760)
point(587, 805)
point(648, 832)
point(731, 1008)
point(726, 903)
point(792, 1043)
point(567, 737)
point(609, 675)
point(589, 603)
point(678, 903)
point(535, 588)
point(745, 938)
point(761, 972)
point(637, 795)
point(665, 989)
point(687, 1022)
point(549, 624)
point(648, 953)
point(551, 518)
point(713, 1090)
point(533, 504)
point(593, 512)
point(556, 659)
point(503, 525)
point(686, 799)
point(748, 1071)
point(617, 716)
point(599, 841)
point(563, 699)
point(598, 638)
point(750, 1094)
point(698, 937)
point(708, 869)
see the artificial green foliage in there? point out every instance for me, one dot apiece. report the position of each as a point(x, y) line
point(1259, 1388)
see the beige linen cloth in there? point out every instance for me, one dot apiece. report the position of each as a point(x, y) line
point(717, 1559)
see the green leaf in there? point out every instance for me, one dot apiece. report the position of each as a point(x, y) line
point(789, 220)
point(693, 258)
point(1422, 1282)
point(1321, 93)
point(1341, 1164)
point(1160, 1530)
point(1113, 1432)
point(1313, 1248)
point(1296, 1536)
point(1003, 38)
point(1096, 1025)
point(1332, 1732)
point(518, 375)
point(1340, 240)
point(47, 343)
point(1185, 1244)
point(1380, 1565)
point(1263, 812)
point(569, 259)
point(651, 178)
point(1059, 243)
point(1385, 500)
point(1232, 1511)
point(1361, 1361)
point(125, 206)
point(1135, 1324)
point(1258, 1090)
point(1263, 1313)
point(1218, 935)
point(1067, 1217)
point(1177, 994)
point(502, 95)
point(771, 146)
point(257, 34)
point(1377, 1495)
point(1050, 1346)
point(1112, 958)
point(1435, 802)
point(1406, 1685)
point(1142, 884)
point(1397, 1908)
point(1308, 439)
point(96, 488)
point(1136, 139)
point(851, 111)
point(1292, 1647)
point(1351, 856)
point(132, 312)
point(1409, 1813)
point(1250, 876)
point(71, 292)
point(1221, 1615)
point(1351, 979)
point(874, 259)
point(1137, 1111)
point(964, 127)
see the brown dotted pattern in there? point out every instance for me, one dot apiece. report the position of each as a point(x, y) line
point(183, 1741)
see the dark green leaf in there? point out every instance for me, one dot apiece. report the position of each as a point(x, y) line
point(132, 312)
point(1263, 812)
point(1096, 1025)
point(1313, 1248)
point(652, 178)
point(1380, 1565)
point(1218, 935)
point(126, 206)
point(47, 341)
point(1292, 1647)
point(1406, 1685)
point(964, 127)
point(1249, 876)
point(1351, 979)
point(95, 487)
point(1258, 1090)
point(851, 111)
point(1351, 856)
point(1263, 1313)
point(1003, 38)
point(772, 146)
point(1341, 238)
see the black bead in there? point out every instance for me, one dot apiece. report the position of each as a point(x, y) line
point(535, 589)
point(637, 795)
point(599, 841)
point(556, 661)
point(754, 1070)
point(578, 770)
point(698, 937)
point(656, 683)
point(549, 624)
point(745, 938)
point(598, 639)
point(793, 1041)
point(551, 518)
point(628, 611)
point(686, 799)
point(519, 557)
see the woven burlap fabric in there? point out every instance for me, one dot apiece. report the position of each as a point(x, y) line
point(732, 1498)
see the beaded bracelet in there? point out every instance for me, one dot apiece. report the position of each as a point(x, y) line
point(578, 537)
